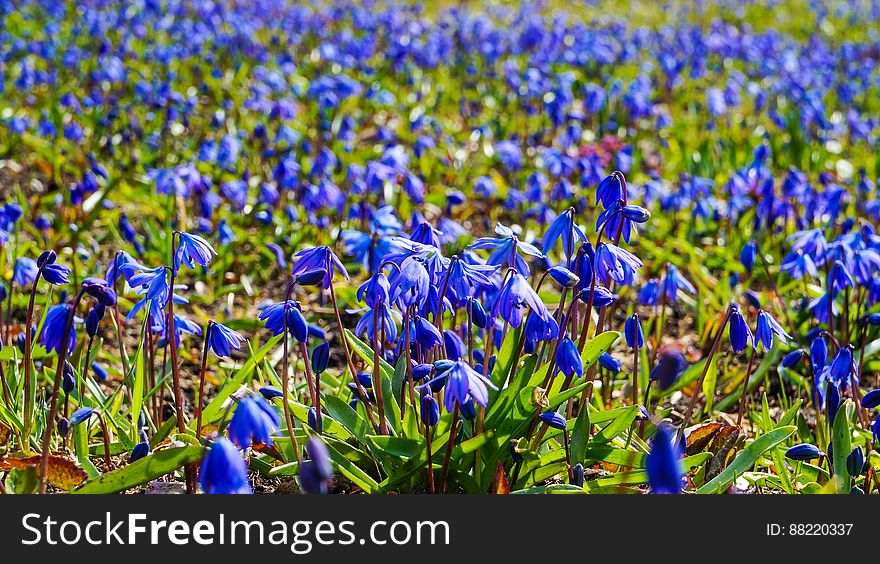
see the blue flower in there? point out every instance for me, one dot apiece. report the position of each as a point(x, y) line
point(609, 362)
point(52, 332)
point(139, 451)
point(614, 263)
point(740, 334)
point(514, 297)
point(671, 363)
point(553, 419)
point(568, 359)
point(563, 227)
point(223, 340)
point(81, 415)
point(506, 249)
point(663, 463)
point(465, 278)
point(154, 281)
point(842, 367)
point(253, 419)
point(565, 277)
point(748, 255)
point(319, 258)
point(274, 314)
point(425, 333)
point(804, 452)
point(192, 250)
point(270, 392)
point(463, 383)
point(673, 282)
point(57, 274)
point(632, 330)
point(793, 358)
point(871, 399)
point(25, 271)
point(321, 357)
point(223, 470)
point(410, 285)
point(766, 328)
point(429, 410)
point(315, 474)
point(855, 461)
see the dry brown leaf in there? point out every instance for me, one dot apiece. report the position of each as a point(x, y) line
point(63, 473)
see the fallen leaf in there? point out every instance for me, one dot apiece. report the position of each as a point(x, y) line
point(699, 438)
point(63, 473)
point(499, 484)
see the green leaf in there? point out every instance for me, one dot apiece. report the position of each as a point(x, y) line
point(140, 377)
point(599, 344)
point(351, 471)
point(841, 437)
point(142, 471)
point(746, 459)
point(580, 436)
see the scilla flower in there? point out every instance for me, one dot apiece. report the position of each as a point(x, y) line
point(768, 327)
point(663, 463)
point(430, 411)
point(274, 314)
point(553, 420)
point(57, 274)
point(192, 250)
point(52, 332)
point(319, 258)
point(568, 359)
point(748, 255)
point(223, 470)
point(740, 334)
point(315, 474)
point(253, 419)
point(803, 452)
point(514, 297)
point(463, 383)
point(632, 330)
point(223, 340)
point(321, 357)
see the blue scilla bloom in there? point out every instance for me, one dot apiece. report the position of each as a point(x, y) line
point(675, 281)
point(568, 359)
point(553, 420)
point(740, 334)
point(632, 331)
point(663, 463)
point(254, 419)
point(57, 274)
point(319, 257)
point(271, 392)
point(154, 281)
point(315, 474)
point(650, 292)
point(122, 264)
point(614, 263)
point(468, 410)
point(832, 399)
point(25, 271)
point(411, 284)
point(464, 279)
point(455, 347)
point(429, 410)
point(478, 315)
point(871, 399)
point(876, 430)
point(842, 367)
point(273, 316)
point(602, 296)
point(311, 277)
point(609, 363)
point(387, 317)
point(798, 264)
point(192, 250)
point(840, 277)
point(793, 358)
point(375, 290)
point(537, 330)
point(855, 461)
point(515, 296)
point(803, 452)
point(93, 319)
point(139, 451)
point(565, 277)
point(506, 249)
point(223, 340)
point(818, 353)
point(609, 191)
point(52, 332)
point(753, 299)
point(564, 228)
point(425, 333)
point(671, 363)
point(223, 470)
point(100, 290)
point(463, 383)
point(321, 357)
point(748, 255)
point(766, 328)
point(81, 415)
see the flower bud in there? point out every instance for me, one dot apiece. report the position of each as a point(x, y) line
point(803, 452)
point(46, 257)
point(553, 419)
point(321, 357)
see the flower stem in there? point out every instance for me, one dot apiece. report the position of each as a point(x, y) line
point(56, 387)
point(202, 373)
point(449, 446)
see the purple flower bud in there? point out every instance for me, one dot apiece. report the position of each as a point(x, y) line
point(553, 419)
point(46, 257)
point(321, 357)
point(803, 452)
